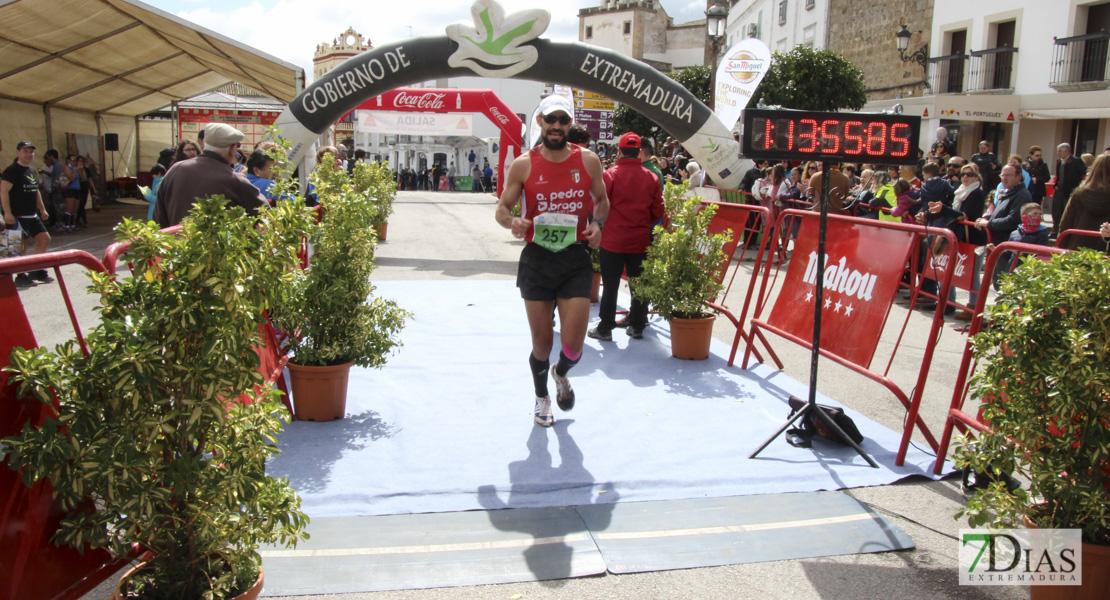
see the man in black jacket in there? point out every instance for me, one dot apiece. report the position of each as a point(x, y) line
point(1069, 173)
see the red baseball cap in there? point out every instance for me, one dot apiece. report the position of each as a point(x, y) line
point(629, 140)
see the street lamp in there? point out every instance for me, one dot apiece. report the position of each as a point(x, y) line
point(716, 18)
point(921, 56)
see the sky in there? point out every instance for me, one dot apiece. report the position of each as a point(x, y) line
point(291, 29)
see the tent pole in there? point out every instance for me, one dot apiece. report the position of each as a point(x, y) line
point(49, 125)
point(138, 139)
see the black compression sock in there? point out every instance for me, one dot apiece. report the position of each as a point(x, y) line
point(539, 374)
point(565, 364)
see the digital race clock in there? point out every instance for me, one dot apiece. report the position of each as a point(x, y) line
point(829, 136)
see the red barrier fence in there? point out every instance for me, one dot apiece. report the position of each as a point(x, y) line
point(957, 418)
point(31, 566)
point(866, 260)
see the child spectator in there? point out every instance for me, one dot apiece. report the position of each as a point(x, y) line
point(905, 203)
point(158, 172)
point(935, 188)
point(1031, 231)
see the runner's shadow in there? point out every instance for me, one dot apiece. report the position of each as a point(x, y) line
point(549, 557)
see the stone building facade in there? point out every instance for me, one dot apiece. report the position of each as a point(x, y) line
point(328, 56)
point(863, 33)
point(641, 29)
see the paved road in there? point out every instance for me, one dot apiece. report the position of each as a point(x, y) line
point(453, 236)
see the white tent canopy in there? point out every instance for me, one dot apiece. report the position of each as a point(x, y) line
point(107, 59)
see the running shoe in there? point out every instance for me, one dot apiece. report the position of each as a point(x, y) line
point(635, 332)
point(564, 394)
point(24, 280)
point(597, 334)
point(544, 418)
point(623, 322)
point(41, 276)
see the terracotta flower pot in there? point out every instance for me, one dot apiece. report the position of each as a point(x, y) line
point(382, 231)
point(1096, 576)
point(319, 393)
point(251, 594)
point(690, 338)
point(595, 288)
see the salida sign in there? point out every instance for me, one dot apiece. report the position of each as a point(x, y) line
point(863, 266)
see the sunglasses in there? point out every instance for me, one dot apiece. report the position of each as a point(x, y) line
point(967, 174)
point(551, 119)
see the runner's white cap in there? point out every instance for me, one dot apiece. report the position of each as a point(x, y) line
point(555, 103)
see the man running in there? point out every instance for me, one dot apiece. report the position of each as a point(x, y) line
point(563, 211)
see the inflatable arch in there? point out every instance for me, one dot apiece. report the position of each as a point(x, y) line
point(500, 45)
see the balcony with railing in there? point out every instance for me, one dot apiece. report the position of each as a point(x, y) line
point(946, 74)
point(1080, 63)
point(992, 71)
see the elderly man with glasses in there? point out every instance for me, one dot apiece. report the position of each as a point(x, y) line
point(209, 174)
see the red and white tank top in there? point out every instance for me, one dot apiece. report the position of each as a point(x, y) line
point(558, 187)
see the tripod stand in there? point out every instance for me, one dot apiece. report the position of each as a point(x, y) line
point(811, 405)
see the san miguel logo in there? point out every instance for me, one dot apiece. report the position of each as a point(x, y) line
point(428, 101)
point(744, 66)
point(494, 46)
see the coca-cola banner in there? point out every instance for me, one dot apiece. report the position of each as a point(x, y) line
point(863, 267)
point(936, 266)
point(508, 45)
point(407, 123)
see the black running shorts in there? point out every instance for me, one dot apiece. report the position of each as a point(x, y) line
point(31, 226)
point(546, 275)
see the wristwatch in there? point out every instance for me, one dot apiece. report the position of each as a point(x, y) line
point(600, 223)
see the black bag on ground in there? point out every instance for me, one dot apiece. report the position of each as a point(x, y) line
point(811, 425)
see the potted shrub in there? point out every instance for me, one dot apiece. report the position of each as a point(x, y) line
point(374, 182)
point(329, 311)
point(1045, 379)
point(165, 425)
point(679, 273)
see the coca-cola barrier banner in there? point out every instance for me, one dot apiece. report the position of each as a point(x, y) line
point(863, 267)
point(936, 266)
point(499, 46)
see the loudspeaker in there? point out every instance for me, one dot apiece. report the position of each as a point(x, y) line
point(111, 142)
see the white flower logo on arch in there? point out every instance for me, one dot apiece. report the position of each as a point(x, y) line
point(492, 48)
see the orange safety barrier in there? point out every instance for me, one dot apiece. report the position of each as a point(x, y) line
point(850, 338)
point(957, 418)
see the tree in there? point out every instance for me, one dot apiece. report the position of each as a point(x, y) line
point(808, 79)
point(694, 79)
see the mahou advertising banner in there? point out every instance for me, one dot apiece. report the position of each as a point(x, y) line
point(739, 73)
point(863, 267)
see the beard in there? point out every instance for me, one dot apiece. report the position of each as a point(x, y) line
point(551, 144)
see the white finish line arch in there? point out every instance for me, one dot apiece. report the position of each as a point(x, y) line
point(500, 46)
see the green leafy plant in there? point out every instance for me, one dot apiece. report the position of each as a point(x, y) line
point(374, 183)
point(149, 428)
point(808, 79)
point(679, 271)
point(695, 79)
point(1045, 384)
point(329, 308)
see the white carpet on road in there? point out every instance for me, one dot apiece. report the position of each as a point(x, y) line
point(447, 425)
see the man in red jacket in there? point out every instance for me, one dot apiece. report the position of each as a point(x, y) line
point(635, 202)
